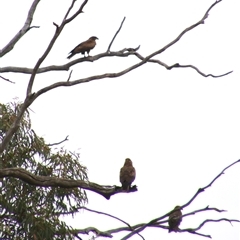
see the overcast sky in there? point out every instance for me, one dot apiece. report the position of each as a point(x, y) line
point(179, 128)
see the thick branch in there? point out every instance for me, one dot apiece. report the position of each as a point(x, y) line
point(22, 31)
point(45, 181)
point(65, 67)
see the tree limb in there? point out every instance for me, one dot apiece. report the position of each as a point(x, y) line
point(46, 181)
point(22, 31)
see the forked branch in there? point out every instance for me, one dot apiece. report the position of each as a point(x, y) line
point(26, 27)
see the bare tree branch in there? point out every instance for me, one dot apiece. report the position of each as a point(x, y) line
point(108, 50)
point(177, 65)
point(191, 230)
point(6, 79)
point(53, 144)
point(29, 96)
point(109, 215)
point(80, 10)
point(200, 190)
point(46, 181)
point(122, 53)
point(22, 31)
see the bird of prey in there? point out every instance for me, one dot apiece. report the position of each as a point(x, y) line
point(127, 174)
point(175, 219)
point(83, 47)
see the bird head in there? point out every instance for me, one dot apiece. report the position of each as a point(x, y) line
point(177, 207)
point(128, 162)
point(93, 38)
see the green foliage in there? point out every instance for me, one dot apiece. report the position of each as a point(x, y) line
point(31, 212)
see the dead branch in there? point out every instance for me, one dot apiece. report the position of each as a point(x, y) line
point(108, 50)
point(69, 77)
point(53, 144)
point(200, 190)
point(26, 27)
point(109, 215)
point(121, 53)
point(46, 181)
point(6, 79)
point(65, 67)
point(177, 65)
point(193, 230)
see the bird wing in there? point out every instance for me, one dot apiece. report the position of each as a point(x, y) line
point(84, 46)
point(77, 47)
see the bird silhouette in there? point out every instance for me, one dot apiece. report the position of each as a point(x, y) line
point(127, 174)
point(175, 219)
point(83, 47)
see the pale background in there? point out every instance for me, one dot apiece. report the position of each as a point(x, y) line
point(179, 128)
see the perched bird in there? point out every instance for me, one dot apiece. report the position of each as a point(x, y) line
point(127, 174)
point(83, 47)
point(175, 219)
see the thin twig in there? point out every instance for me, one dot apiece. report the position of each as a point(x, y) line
point(69, 77)
point(108, 50)
point(6, 79)
point(109, 215)
point(193, 230)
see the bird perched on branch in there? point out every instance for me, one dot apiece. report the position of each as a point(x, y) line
point(127, 174)
point(175, 219)
point(83, 47)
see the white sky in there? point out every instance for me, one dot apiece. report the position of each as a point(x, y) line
point(179, 128)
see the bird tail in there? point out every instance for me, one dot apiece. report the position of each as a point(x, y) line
point(125, 187)
point(175, 229)
point(71, 55)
